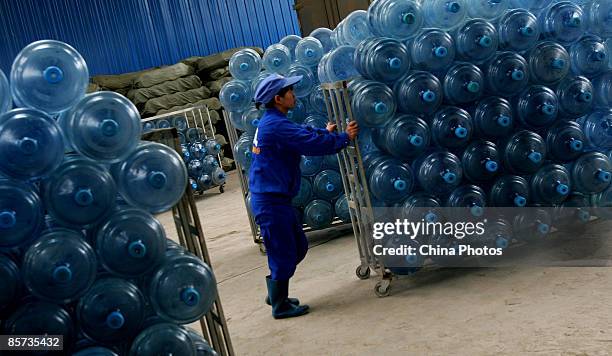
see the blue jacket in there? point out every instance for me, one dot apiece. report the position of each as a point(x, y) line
point(277, 150)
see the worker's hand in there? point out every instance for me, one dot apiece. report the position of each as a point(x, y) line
point(352, 130)
point(331, 127)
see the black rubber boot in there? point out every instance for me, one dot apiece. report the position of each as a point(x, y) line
point(281, 309)
point(293, 301)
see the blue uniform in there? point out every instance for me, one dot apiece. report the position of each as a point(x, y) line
point(274, 180)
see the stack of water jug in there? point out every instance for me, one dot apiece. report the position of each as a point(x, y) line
point(321, 196)
point(81, 254)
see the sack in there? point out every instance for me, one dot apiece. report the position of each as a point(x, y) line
point(113, 82)
point(177, 99)
point(164, 74)
point(214, 61)
point(215, 87)
point(219, 73)
point(212, 103)
point(140, 96)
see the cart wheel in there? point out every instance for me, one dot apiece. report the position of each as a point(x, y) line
point(221, 189)
point(262, 249)
point(382, 288)
point(362, 272)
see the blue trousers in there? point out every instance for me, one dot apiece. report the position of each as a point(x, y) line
point(286, 244)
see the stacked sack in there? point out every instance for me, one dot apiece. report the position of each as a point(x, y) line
point(321, 197)
point(81, 254)
point(475, 103)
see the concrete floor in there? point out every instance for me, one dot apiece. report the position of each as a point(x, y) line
point(509, 311)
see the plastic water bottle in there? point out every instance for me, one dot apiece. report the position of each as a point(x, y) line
point(327, 185)
point(317, 100)
point(163, 339)
point(406, 136)
point(531, 224)
point(258, 79)
point(438, 172)
point(406, 264)
point(245, 64)
point(575, 97)
point(316, 121)
point(550, 184)
point(340, 65)
point(104, 126)
point(418, 93)
point(182, 289)
point(589, 56)
point(204, 182)
point(463, 83)
point(563, 22)
point(548, 62)
point(304, 195)
point(444, 14)
point(492, 118)
point(565, 141)
point(341, 209)
point(311, 165)
point(163, 124)
point(537, 107)
point(243, 153)
point(277, 58)
point(250, 119)
point(524, 152)
point(422, 206)
point(309, 51)
point(302, 88)
point(21, 213)
point(48, 75)
point(601, 203)
point(509, 191)
point(603, 90)
point(182, 138)
point(31, 144)
point(331, 162)
point(60, 266)
point(197, 150)
point(476, 40)
point(5, 94)
point(212, 147)
point(180, 123)
point(382, 59)
point(498, 233)
point(291, 42)
point(597, 128)
point(353, 29)
point(481, 161)
point(235, 95)
point(10, 282)
point(202, 347)
point(209, 163)
point(530, 4)
point(152, 178)
point(324, 36)
point(194, 134)
point(195, 167)
point(81, 193)
point(318, 214)
point(471, 197)
point(141, 247)
point(395, 19)
point(487, 9)
point(218, 176)
point(40, 318)
point(432, 50)
point(193, 184)
point(148, 126)
point(373, 104)
point(591, 173)
point(518, 30)
point(599, 21)
point(573, 213)
point(506, 74)
point(451, 127)
point(112, 311)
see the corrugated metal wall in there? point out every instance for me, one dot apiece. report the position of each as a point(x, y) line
point(119, 36)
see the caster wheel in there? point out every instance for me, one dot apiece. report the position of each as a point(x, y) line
point(221, 189)
point(363, 272)
point(382, 289)
point(262, 249)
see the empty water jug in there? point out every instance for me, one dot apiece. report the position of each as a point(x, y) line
point(245, 64)
point(476, 40)
point(331, 162)
point(406, 136)
point(432, 50)
point(506, 74)
point(304, 195)
point(41, 318)
point(212, 147)
point(250, 119)
point(291, 42)
point(236, 95)
point(277, 58)
point(492, 118)
point(550, 184)
point(444, 14)
point(531, 224)
point(341, 209)
point(308, 51)
point(202, 348)
point(318, 214)
point(589, 56)
point(498, 233)
point(195, 167)
point(6, 101)
point(163, 339)
point(180, 123)
point(10, 283)
point(31, 144)
point(395, 19)
point(317, 100)
point(148, 126)
point(382, 59)
point(302, 88)
point(438, 172)
point(21, 213)
point(316, 121)
point(340, 64)
point(575, 96)
point(418, 93)
point(193, 184)
point(422, 206)
point(204, 182)
point(574, 212)
point(565, 141)
point(218, 176)
point(327, 185)
point(60, 266)
point(153, 177)
point(311, 165)
point(194, 134)
point(353, 29)
point(509, 191)
point(209, 163)
point(481, 161)
point(599, 19)
point(602, 204)
point(591, 173)
point(469, 197)
point(603, 90)
point(548, 62)
point(258, 79)
point(530, 4)
point(451, 127)
point(243, 151)
point(518, 30)
point(524, 152)
point(324, 36)
point(487, 9)
point(48, 75)
point(463, 83)
point(163, 124)
point(373, 104)
point(597, 128)
point(537, 107)
point(563, 22)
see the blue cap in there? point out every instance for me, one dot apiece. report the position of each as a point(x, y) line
point(269, 87)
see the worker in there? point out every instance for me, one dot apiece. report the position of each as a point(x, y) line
point(274, 180)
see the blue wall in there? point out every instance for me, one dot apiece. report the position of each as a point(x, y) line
point(119, 36)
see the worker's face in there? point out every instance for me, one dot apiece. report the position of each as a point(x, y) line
point(286, 101)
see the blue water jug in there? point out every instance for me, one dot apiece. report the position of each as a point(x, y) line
point(163, 124)
point(309, 51)
point(331, 162)
point(599, 21)
point(530, 4)
point(365, 141)
point(311, 165)
point(316, 121)
point(548, 62)
point(565, 141)
point(298, 113)
point(209, 163)
point(406, 136)
point(518, 30)
point(41, 318)
point(498, 233)
point(194, 134)
point(152, 178)
point(250, 119)
point(180, 123)
point(603, 90)
point(195, 167)
point(218, 176)
point(391, 181)
point(236, 95)
point(31, 144)
point(81, 193)
point(304, 195)
point(317, 101)
point(139, 249)
point(204, 182)
point(60, 266)
point(395, 19)
point(432, 50)
point(5, 94)
point(327, 185)
point(575, 96)
point(235, 118)
point(373, 104)
point(506, 74)
point(21, 213)
point(193, 184)
point(401, 264)
point(382, 59)
point(422, 206)
point(302, 88)
point(212, 147)
point(48, 75)
point(104, 126)
point(277, 58)
point(112, 311)
point(591, 173)
point(524, 152)
point(341, 209)
point(148, 126)
point(476, 40)
point(182, 138)
point(481, 161)
point(438, 172)
point(243, 153)
point(537, 107)
point(550, 184)
point(258, 79)
point(509, 191)
point(597, 128)
point(487, 9)
point(324, 36)
point(318, 214)
point(163, 339)
point(291, 42)
point(10, 283)
point(245, 64)
point(463, 83)
point(451, 127)
point(589, 56)
point(321, 70)
point(353, 29)
point(531, 224)
point(602, 203)
point(470, 197)
point(419, 92)
point(444, 14)
point(202, 347)
point(340, 64)
point(573, 213)
point(492, 118)
point(563, 22)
